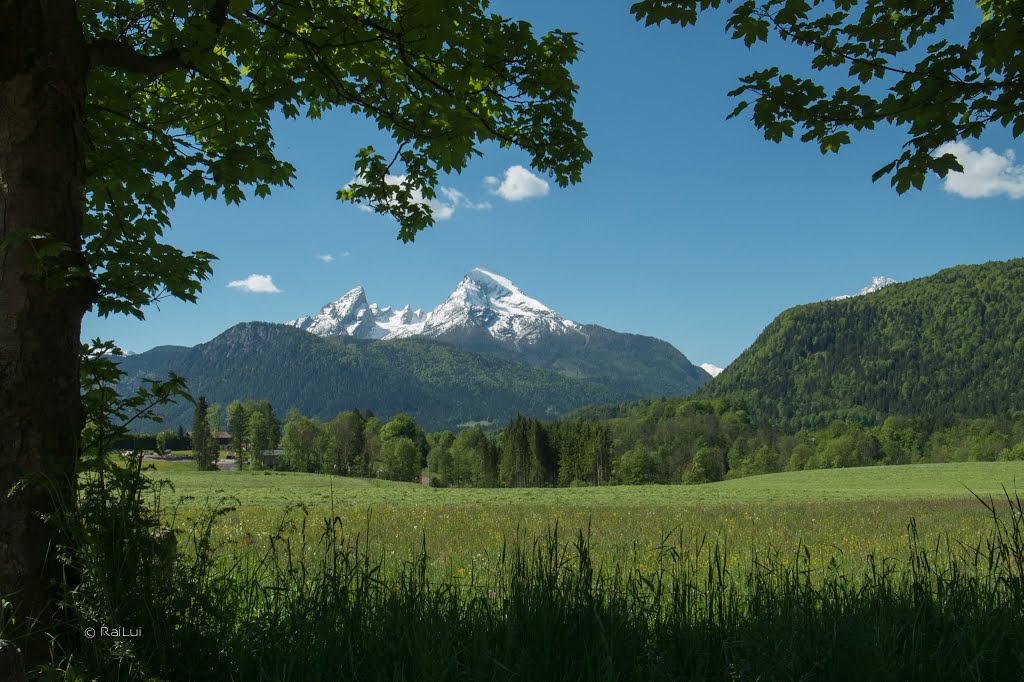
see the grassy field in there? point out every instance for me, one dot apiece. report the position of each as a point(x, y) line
point(840, 515)
point(813, 576)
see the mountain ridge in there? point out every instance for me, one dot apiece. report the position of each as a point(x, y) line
point(439, 384)
point(482, 300)
point(948, 344)
point(488, 313)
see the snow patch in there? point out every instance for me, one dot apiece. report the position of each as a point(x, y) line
point(876, 284)
point(713, 370)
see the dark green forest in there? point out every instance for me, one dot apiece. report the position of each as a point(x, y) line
point(670, 440)
point(948, 344)
point(440, 384)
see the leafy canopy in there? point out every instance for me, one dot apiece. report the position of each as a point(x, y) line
point(901, 65)
point(181, 95)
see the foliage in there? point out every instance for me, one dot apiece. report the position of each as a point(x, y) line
point(162, 440)
point(658, 440)
point(345, 441)
point(474, 460)
point(403, 426)
point(204, 446)
point(259, 433)
point(635, 467)
point(708, 466)
point(112, 544)
point(400, 459)
point(954, 91)
point(305, 444)
point(583, 451)
point(215, 417)
point(237, 418)
point(440, 462)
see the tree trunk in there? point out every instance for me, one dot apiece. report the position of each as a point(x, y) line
point(42, 95)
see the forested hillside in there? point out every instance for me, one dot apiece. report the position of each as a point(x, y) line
point(948, 344)
point(440, 385)
point(628, 363)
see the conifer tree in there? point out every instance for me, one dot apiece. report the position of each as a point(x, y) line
point(204, 447)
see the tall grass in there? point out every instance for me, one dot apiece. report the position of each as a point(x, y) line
point(318, 601)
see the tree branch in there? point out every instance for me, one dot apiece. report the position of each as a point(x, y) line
point(105, 52)
point(112, 53)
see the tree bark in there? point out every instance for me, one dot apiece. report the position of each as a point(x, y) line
point(43, 71)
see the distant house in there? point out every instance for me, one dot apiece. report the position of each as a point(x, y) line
point(222, 438)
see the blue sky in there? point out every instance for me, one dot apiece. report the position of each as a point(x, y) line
point(686, 226)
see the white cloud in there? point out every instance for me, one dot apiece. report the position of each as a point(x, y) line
point(519, 183)
point(457, 198)
point(257, 284)
point(325, 257)
point(443, 207)
point(347, 254)
point(986, 173)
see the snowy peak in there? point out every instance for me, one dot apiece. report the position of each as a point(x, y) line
point(876, 284)
point(351, 315)
point(713, 370)
point(485, 300)
point(404, 322)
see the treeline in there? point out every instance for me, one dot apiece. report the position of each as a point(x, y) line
point(354, 444)
point(691, 440)
point(526, 453)
point(671, 440)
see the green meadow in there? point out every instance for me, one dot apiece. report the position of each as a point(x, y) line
point(839, 515)
point(884, 573)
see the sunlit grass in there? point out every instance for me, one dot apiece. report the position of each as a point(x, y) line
point(841, 516)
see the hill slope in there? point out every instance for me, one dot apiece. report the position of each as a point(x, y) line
point(951, 343)
point(440, 385)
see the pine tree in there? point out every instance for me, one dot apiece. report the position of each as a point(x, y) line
point(237, 418)
point(204, 447)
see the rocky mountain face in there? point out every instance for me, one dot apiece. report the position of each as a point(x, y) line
point(351, 315)
point(487, 302)
point(487, 313)
point(483, 301)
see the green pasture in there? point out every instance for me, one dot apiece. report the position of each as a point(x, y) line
point(917, 482)
point(840, 515)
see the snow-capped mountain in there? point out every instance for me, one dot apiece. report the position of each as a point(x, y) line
point(351, 315)
point(489, 315)
point(486, 301)
point(713, 370)
point(876, 284)
point(483, 301)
